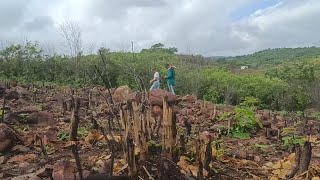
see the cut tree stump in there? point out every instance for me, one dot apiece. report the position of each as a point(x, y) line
point(169, 130)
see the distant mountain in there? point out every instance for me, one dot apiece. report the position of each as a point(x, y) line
point(218, 57)
point(272, 57)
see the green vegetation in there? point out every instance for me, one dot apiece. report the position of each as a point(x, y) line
point(245, 122)
point(63, 136)
point(278, 79)
point(82, 133)
point(290, 141)
point(271, 57)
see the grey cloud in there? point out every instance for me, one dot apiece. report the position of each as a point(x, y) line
point(193, 26)
point(117, 9)
point(39, 24)
point(291, 24)
point(11, 13)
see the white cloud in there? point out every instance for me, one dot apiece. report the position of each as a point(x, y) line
point(194, 26)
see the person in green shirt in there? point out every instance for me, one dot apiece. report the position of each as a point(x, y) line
point(171, 77)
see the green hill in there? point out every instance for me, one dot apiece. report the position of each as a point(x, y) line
point(271, 57)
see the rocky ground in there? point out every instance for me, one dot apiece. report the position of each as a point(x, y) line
point(34, 137)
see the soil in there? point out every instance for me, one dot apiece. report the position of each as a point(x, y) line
point(253, 158)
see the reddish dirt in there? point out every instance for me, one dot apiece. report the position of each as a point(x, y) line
point(237, 159)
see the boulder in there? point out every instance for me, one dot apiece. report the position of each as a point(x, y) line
point(189, 98)
point(11, 117)
point(186, 104)
point(156, 97)
point(63, 170)
point(28, 109)
point(23, 92)
point(134, 97)
point(7, 138)
point(12, 94)
point(42, 117)
point(121, 94)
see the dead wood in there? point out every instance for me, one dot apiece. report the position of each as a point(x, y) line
point(3, 107)
point(207, 154)
point(296, 164)
point(169, 130)
point(198, 153)
point(43, 149)
point(305, 157)
point(75, 106)
point(75, 153)
point(132, 168)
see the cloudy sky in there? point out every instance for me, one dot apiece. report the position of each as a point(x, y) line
point(207, 27)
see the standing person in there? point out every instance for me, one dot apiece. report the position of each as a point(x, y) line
point(155, 81)
point(171, 77)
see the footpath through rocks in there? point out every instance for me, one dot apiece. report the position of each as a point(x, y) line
point(99, 133)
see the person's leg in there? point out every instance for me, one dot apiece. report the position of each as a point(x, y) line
point(152, 87)
point(171, 89)
point(155, 85)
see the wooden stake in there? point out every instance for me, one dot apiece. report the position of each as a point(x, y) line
point(198, 153)
point(75, 153)
point(75, 106)
point(207, 154)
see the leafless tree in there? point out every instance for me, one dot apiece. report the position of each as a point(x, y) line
point(91, 47)
point(72, 34)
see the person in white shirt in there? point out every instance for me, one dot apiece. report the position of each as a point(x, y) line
point(156, 80)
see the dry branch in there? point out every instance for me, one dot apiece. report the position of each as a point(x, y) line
point(75, 106)
point(296, 164)
point(43, 149)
